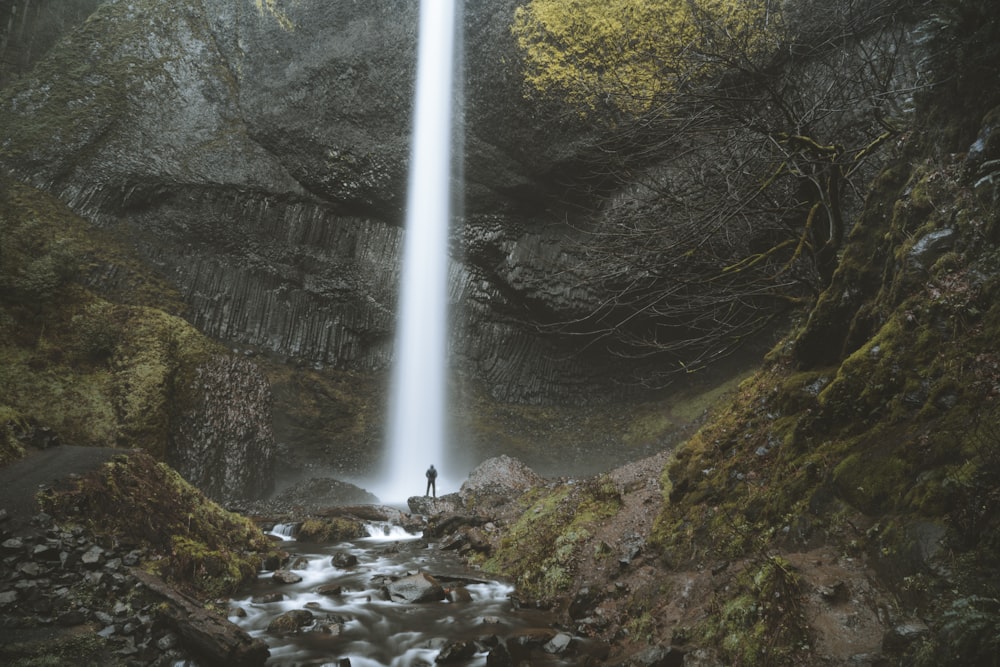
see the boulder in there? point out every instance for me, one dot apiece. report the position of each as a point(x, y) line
point(414, 589)
point(291, 621)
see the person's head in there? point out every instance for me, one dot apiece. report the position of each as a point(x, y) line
point(432, 466)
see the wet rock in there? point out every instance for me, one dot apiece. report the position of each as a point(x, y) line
point(657, 656)
point(268, 598)
point(558, 644)
point(286, 577)
point(291, 621)
point(344, 560)
point(460, 594)
point(902, 636)
point(449, 523)
point(330, 589)
point(457, 652)
point(499, 656)
point(583, 602)
point(415, 588)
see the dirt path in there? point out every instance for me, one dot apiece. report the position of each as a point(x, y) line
point(20, 481)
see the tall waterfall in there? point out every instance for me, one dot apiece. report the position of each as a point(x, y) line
point(417, 432)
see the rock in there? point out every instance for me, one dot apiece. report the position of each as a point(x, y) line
point(658, 656)
point(499, 656)
point(457, 652)
point(427, 506)
point(268, 598)
point(208, 638)
point(330, 589)
point(460, 594)
point(93, 557)
point(223, 444)
point(931, 246)
point(415, 588)
point(902, 636)
point(498, 481)
point(286, 577)
point(446, 523)
point(558, 644)
point(291, 621)
point(12, 545)
point(344, 560)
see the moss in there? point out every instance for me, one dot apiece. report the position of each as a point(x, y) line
point(759, 621)
point(10, 449)
point(191, 541)
point(541, 549)
point(330, 530)
point(95, 371)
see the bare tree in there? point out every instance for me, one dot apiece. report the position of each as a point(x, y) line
point(743, 182)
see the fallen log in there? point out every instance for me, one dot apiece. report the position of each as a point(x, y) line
point(209, 639)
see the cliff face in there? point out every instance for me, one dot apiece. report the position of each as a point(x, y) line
point(257, 155)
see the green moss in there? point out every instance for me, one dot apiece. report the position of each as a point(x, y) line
point(95, 371)
point(541, 550)
point(330, 530)
point(759, 621)
point(191, 541)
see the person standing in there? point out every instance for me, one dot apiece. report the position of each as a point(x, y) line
point(431, 475)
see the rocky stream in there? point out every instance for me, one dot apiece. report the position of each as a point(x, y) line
point(393, 599)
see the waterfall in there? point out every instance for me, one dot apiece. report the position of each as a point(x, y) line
point(417, 432)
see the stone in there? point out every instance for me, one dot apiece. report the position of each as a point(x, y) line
point(499, 656)
point(900, 637)
point(415, 589)
point(460, 594)
point(330, 589)
point(344, 560)
point(291, 621)
point(12, 545)
point(458, 651)
point(286, 577)
point(558, 644)
point(93, 557)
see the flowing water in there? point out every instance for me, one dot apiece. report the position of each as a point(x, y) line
point(417, 406)
point(359, 624)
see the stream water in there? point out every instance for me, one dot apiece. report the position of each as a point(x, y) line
point(354, 624)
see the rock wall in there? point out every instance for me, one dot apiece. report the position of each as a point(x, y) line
point(223, 444)
point(257, 155)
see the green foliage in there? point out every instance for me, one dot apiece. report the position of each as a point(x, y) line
point(630, 54)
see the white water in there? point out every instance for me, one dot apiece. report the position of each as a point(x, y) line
point(417, 409)
point(371, 630)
